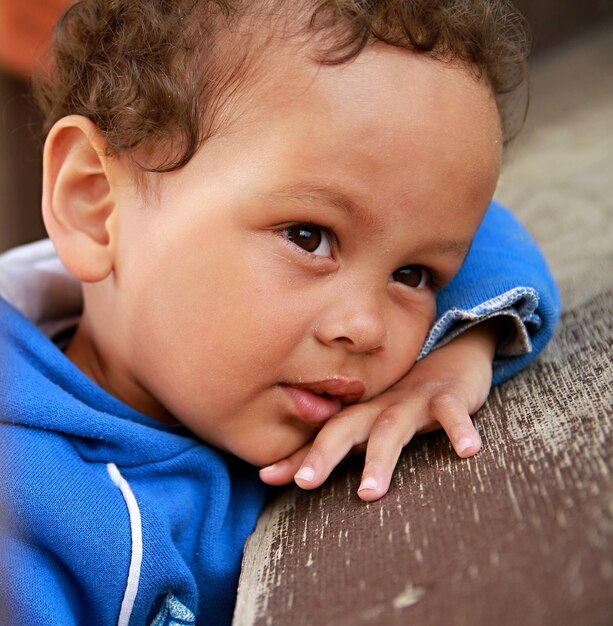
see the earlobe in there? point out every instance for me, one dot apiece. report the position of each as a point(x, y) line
point(78, 201)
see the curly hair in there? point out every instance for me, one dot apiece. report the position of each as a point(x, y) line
point(155, 74)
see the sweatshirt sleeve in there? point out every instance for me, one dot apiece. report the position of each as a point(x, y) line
point(506, 274)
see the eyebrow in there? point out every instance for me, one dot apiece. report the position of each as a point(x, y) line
point(314, 194)
point(448, 247)
point(309, 194)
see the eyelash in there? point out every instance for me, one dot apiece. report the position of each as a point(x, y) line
point(425, 278)
point(326, 237)
point(431, 278)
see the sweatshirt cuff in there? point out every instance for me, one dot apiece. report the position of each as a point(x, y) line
point(519, 304)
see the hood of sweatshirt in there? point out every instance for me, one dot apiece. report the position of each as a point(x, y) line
point(41, 388)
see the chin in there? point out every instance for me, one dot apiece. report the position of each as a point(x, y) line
point(268, 453)
point(264, 458)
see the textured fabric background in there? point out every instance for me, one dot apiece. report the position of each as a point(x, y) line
point(522, 534)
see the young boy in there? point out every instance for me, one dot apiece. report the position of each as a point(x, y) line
point(265, 202)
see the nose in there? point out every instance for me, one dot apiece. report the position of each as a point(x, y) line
point(356, 323)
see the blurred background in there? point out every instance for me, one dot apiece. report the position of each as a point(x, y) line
point(563, 29)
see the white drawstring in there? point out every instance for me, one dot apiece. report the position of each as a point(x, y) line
point(136, 557)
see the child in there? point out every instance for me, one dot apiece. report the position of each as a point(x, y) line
point(265, 203)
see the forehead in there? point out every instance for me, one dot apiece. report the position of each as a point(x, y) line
point(382, 87)
point(371, 124)
point(413, 141)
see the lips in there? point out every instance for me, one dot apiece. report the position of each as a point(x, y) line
point(316, 402)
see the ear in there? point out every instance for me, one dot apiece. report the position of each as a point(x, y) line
point(78, 199)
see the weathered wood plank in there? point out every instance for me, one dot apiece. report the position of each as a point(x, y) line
point(520, 534)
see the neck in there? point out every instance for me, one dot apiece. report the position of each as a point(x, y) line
point(109, 374)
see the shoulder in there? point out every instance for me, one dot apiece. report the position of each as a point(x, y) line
point(63, 529)
point(50, 489)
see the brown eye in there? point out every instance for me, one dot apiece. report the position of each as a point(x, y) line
point(412, 276)
point(310, 238)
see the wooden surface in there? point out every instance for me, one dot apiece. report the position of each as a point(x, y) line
point(522, 534)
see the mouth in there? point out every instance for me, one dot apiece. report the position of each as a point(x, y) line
point(316, 402)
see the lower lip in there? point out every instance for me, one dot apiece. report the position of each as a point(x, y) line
point(310, 407)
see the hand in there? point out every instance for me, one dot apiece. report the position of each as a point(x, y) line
point(441, 390)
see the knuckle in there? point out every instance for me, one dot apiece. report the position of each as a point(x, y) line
point(316, 457)
point(389, 418)
point(338, 433)
point(456, 431)
point(444, 400)
point(340, 428)
point(371, 466)
point(350, 412)
point(434, 386)
point(459, 428)
point(382, 458)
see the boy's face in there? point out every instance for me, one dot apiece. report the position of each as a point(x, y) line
point(298, 253)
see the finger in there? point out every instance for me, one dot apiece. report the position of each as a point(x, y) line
point(335, 441)
point(452, 414)
point(282, 472)
point(393, 429)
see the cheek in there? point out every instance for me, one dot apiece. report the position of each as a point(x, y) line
point(407, 333)
point(218, 321)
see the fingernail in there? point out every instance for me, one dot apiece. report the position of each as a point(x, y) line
point(269, 469)
point(305, 473)
point(368, 484)
point(465, 444)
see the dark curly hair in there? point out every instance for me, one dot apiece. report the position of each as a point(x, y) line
point(155, 74)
